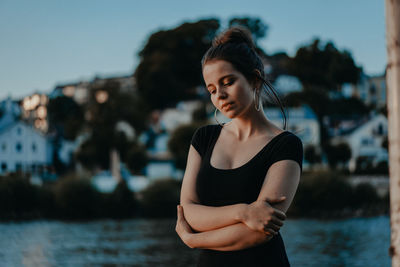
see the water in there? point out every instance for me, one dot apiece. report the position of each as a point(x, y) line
point(140, 242)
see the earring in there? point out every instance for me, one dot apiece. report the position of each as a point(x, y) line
point(215, 117)
point(257, 103)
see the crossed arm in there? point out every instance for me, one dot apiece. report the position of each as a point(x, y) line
point(227, 228)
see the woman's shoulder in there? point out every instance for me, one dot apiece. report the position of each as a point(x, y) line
point(208, 128)
point(289, 139)
point(203, 137)
point(293, 135)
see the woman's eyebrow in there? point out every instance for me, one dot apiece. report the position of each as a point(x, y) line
point(222, 78)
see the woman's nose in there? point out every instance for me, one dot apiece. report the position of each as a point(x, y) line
point(221, 93)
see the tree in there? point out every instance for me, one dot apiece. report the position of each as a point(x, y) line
point(179, 143)
point(200, 114)
point(393, 84)
point(280, 65)
point(169, 68)
point(324, 66)
point(256, 26)
point(340, 153)
point(66, 121)
point(311, 155)
point(136, 158)
point(106, 107)
point(65, 117)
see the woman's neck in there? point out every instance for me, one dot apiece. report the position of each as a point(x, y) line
point(249, 126)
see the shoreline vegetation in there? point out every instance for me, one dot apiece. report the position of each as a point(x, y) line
point(320, 195)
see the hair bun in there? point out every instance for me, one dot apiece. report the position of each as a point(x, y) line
point(235, 34)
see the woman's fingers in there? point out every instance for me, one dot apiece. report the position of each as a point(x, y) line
point(276, 221)
point(269, 230)
point(275, 200)
point(279, 214)
point(272, 226)
point(273, 223)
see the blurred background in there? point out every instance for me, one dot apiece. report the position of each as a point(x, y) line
point(99, 101)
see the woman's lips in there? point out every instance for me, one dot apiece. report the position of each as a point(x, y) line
point(228, 106)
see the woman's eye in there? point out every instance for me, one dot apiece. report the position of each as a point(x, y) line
point(228, 83)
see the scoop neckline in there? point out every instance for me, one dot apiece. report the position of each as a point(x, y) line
point(249, 161)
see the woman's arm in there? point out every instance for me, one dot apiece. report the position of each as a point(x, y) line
point(229, 238)
point(282, 179)
point(204, 218)
point(232, 237)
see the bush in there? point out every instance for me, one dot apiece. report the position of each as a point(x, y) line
point(137, 158)
point(161, 198)
point(120, 204)
point(319, 192)
point(18, 198)
point(328, 194)
point(364, 195)
point(76, 198)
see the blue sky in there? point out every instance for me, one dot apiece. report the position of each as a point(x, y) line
point(47, 42)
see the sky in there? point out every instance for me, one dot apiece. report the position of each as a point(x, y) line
point(48, 42)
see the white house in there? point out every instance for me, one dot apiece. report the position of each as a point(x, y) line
point(302, 121)
point(366, 141)
point(182, 114)
point(24, 148)
point(286, 84)
point(9, 112)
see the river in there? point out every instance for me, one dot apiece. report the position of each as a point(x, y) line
point(143, 242)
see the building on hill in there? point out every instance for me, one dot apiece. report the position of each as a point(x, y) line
point(79, 91)
point(377, 89)
point(34, 111)
point(23, 148)
point(371, 90)
point(365, 142)
point(24, 145)
point(10, 112)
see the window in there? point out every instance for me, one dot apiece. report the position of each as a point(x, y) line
point(380, 129)
point(19, 131)
point(33, 147)
point(383, 94)
point(18, 166)
point(3, 147)
point(372, 89)
point(367, 141)
point(18, 147)
point(3, 166)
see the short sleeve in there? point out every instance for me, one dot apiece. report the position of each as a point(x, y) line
point(199, 140)
point(289, 147)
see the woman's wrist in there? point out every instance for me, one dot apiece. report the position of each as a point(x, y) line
point(189, 239)
point(241, 212)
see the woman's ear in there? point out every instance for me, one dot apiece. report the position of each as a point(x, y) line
point(258, 79)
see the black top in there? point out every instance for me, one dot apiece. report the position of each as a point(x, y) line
point(245, 183)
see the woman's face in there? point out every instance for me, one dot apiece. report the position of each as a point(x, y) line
point(229, 90)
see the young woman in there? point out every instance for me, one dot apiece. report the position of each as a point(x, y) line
point(240, 176)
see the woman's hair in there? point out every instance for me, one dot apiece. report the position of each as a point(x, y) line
point(236, 46)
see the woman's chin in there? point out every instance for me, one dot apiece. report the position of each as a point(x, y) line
point(229, 115)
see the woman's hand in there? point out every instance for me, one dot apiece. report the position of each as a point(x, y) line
point(261, 216)
point(182, 228)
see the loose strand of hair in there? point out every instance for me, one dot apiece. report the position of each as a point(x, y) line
point(277, 100)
